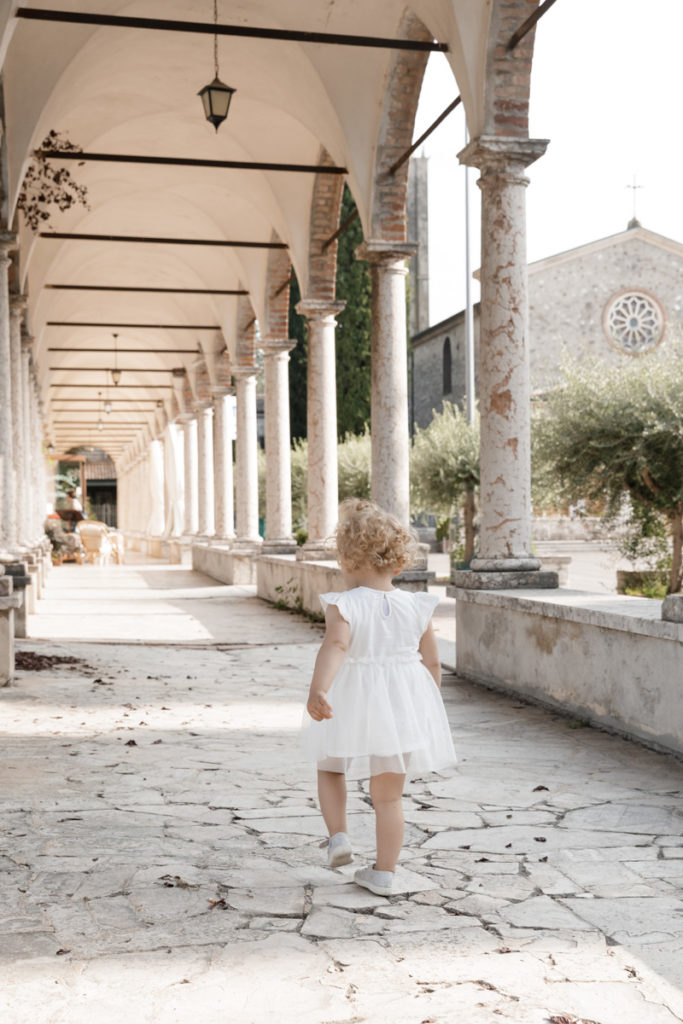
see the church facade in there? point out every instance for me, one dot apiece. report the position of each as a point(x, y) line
point(617, 298)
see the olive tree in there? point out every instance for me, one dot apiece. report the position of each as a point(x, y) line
point(616, 432)
point(444, 468)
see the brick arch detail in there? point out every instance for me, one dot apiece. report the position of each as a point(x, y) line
point(325, 210)
point(245, 354)
point(222, 369)
point(278, 276)
point(175, 407)
point(404, 82)
point(508, 72)
point(186, 394)
point(202, 381)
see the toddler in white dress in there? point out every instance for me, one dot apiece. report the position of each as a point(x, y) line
point(374, 706)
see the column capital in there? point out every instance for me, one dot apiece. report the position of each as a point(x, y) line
point(17, 305)
point(377, 252)
point(186, 417)
point(200, 407)
point(278, 346)
point(319, 309)
point(8, 241)
point(26, 342)
point(502, 152)
point(243, 372)
point(220, 392)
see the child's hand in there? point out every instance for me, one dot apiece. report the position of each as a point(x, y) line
point(317, 707)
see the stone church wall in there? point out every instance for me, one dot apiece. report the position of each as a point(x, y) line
point(568, 298)
point(569, 295)
point(428, 388)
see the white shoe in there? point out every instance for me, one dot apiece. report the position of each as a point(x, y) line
point(339, 850)
point(379, 882)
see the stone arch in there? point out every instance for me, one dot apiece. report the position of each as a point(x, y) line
point(246, 333)
point(325, 209)
point(184, 393)
point(202, 381)
point(278, 277)
point(404, 82)
point(507, 82)
point(222, 369)
point(175, 410)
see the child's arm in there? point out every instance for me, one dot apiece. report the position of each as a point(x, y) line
point(430, 654)
point(328, 662)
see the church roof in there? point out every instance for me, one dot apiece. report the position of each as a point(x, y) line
point(631, 234)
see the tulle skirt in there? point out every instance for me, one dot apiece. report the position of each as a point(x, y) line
point(387, 717)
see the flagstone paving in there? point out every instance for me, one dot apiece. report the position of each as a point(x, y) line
point(163, 858)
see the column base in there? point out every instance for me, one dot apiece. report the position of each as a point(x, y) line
point(316, 551)
point(523, 564)
point(468, 579)
point(279, 546)
point(247, 545)
point(414, 579)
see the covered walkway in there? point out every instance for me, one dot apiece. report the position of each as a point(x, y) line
point(161, 846)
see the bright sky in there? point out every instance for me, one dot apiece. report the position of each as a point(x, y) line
point(606, 90)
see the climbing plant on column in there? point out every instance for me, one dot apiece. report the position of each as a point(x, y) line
point(616, 432)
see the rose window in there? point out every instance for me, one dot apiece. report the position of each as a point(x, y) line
point(634, 322)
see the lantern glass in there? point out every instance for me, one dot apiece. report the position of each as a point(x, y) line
point(216, 100)
point(116, 376)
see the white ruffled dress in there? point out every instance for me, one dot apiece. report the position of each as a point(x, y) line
point(388, 715)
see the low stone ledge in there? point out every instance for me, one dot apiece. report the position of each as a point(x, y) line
point(609, 660)
point(672, 608)
point(640, 615)
point(287, 581)
point(224, 564)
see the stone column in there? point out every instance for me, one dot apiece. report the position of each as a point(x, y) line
point(19, 451)
point(389, 376)
point(205, 471)
point(190, 466)
point(8, 520)
point(224, 502)
point(155, 485)
point(29, 497)
point(321, 425)
point(504, 386)
point(246, 451)
point(279, 538)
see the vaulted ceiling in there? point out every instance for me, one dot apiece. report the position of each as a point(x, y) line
point(130, 90)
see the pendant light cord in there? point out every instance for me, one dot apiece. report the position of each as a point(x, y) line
point(215, 36)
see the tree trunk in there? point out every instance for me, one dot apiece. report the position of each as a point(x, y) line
point(468, 514)
point(676, 578)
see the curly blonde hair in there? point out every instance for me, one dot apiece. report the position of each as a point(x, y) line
point(370, 538)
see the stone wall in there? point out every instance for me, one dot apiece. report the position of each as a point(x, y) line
point(608, 660)
point(568, 296)
point(427, 367)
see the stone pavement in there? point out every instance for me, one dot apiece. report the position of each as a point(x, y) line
point(163, 857)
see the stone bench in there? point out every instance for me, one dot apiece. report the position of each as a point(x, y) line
point(672, 608)
point(21, 584)
point(9, 602)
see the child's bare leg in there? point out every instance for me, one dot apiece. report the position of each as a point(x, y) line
point(386, 791)
point(332, 796)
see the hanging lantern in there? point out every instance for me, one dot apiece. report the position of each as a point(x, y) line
point(216, 99)
point(115, 373)
point(217, 95)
